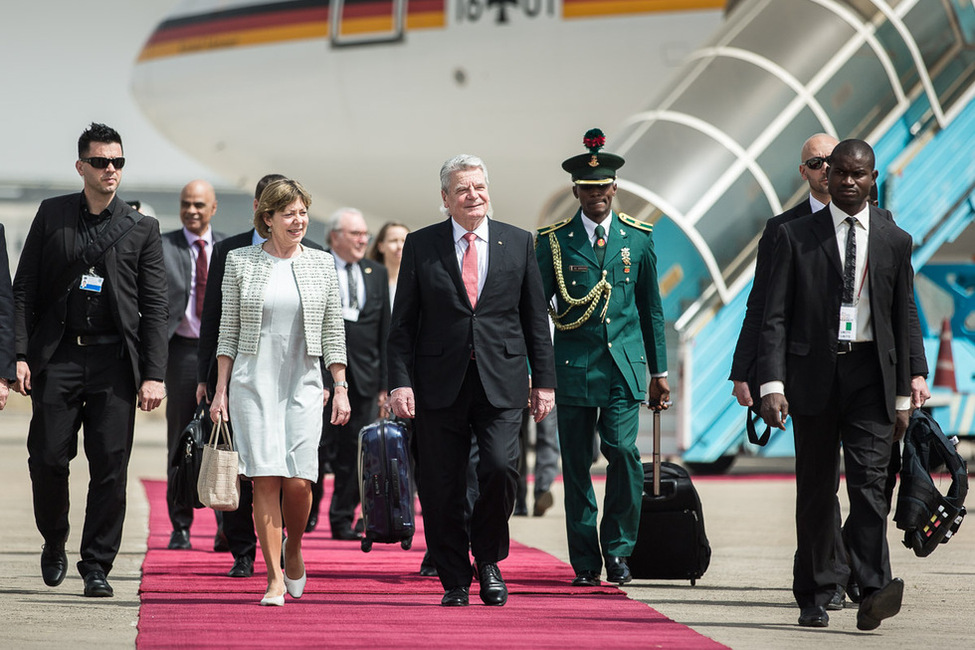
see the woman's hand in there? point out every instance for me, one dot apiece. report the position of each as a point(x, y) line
point(219, 406)
point(340, 406)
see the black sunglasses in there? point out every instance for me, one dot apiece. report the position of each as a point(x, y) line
point(102, 163)
point(816, 162)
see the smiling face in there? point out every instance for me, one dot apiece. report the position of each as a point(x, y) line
point(101, 181)
point(197, 205)
point(596, 200)
point(466, 197)
point(288, 225)
point(351, 239)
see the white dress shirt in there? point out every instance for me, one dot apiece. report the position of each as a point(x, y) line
point(481, 245)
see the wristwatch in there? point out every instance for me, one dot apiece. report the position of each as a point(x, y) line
point(341, 384)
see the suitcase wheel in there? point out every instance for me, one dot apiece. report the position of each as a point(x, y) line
point(366, 545)
point(407, 544)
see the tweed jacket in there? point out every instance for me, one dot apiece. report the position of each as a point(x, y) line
point(244, 284)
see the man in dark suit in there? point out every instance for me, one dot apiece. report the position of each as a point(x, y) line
point(469, 319)
point(835, 354)
point(238, 525)
point(187, 253)
point(364, 287)
point(88, 344)
point(8, 366)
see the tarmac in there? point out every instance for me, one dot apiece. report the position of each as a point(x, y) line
point(743, 601)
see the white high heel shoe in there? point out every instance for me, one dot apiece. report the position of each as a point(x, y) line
point(295, 587)
point(273, 601)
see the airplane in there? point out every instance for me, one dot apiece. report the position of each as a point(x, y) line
point(363, 100)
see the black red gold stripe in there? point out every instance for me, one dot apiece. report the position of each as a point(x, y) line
point(594, 8)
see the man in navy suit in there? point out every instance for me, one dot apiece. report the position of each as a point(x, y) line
point(187, 253)
point(469, 319)
point(835, 353)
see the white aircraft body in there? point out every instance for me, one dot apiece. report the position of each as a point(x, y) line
point(363, 100)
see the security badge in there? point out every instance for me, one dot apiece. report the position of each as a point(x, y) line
point(92, 282)
point(848, 322)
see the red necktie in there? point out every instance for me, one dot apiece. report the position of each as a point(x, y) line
point(201, 274)
point(469, 268)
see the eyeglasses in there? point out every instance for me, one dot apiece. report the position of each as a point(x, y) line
point(816, 162)
point(102, 163)
point(356, 234)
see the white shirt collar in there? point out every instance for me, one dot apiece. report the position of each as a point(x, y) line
point(590, 225)
point(459, 231)
point(839, 217)
point(815, 204)
point(192, 237)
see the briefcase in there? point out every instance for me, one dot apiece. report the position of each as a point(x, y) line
point(186, 457)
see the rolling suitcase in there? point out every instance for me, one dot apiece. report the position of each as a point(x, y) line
point(386, 485)
point(671, 543)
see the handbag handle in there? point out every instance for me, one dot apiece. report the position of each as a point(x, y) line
point(220, 434)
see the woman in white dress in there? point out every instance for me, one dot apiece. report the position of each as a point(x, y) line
point(281, 323)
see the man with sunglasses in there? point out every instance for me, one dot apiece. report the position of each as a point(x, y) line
point(91, 345)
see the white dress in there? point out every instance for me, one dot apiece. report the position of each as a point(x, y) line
point(276, 395)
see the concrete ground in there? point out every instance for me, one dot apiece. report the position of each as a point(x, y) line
point(743, 601)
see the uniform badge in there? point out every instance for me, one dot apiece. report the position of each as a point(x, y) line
point(625, 255)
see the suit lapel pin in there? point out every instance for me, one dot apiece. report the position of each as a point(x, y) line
point(367, 270)
point(622, 232)
point(571, 234)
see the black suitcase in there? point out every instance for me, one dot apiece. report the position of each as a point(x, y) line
point(386, 485)
point(671, 543)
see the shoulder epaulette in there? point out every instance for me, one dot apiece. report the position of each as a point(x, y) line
point(553, 226)
point(630, 221)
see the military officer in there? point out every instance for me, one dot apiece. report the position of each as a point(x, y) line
point(609, 332)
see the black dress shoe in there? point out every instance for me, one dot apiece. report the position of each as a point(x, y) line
point(853, 591)
point(455, 597)
point(345, 534)
point(493, 590)
point(179, 540)
point(586, 579)
point(838, 601)
point(428, 568)
point(96, 585)
point(243, 567)
point(220, 543)
point(54, 564)
point(312, 522)
point(881, 604)
point(521, 508)
point(815, 616)
point(617, 570)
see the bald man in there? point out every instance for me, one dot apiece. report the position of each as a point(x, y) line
point(187, 254)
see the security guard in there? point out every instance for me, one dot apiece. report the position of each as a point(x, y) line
point(609, 332)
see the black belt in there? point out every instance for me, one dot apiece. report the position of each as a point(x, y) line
point(844, 347)
point(185, 339)
point(96, 339)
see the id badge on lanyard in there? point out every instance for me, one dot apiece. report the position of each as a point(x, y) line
point(91, 281)
point(848, 322)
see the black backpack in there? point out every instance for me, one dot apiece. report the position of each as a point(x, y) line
point(927, 517)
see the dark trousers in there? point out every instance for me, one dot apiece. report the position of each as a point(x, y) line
point(546, 454)
point(856, 416)
point(444, 446)
point(238, 525)
point(180, 406)
point(345, 441)
point(90, 387)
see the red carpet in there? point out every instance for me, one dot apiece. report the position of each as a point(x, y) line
point(377, 599)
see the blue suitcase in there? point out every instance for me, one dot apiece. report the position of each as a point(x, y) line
point(386, 484)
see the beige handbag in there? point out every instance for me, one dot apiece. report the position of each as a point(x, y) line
point(219, 483)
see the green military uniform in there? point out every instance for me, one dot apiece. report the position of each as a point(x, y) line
point(609, 334)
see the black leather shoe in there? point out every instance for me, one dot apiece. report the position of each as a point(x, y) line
point(881, 604)
point(813, 617)
point(853, 591)
point(493, 590)
point(838, 601)
point(617, 570)
point(312, 522)
point(428, 568)
point(586, 579)
point(54, 564)
point(96, 585)
point(179, 540)
point(521, 508)
point(220, 543)
point(455, 597)
point(243, 567)
point(345, 534)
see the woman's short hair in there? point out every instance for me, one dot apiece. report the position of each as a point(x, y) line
point(277, 196)
point(374, 252)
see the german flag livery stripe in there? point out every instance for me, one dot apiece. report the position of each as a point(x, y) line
point(284, 21)
point(594, 8)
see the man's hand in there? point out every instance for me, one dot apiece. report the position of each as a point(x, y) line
point(151, 394)
point(4, 391)
point(659, 394)
point(201, 392)
point(900, 424)
point(23, 378)
point(541, 402)
point(402, 403)
point(741, 393)
point(919, 391)
point(775, 409)
point(381, 401)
